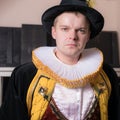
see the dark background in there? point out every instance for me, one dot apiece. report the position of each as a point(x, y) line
point(16, 44)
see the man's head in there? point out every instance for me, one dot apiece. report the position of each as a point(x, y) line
point(96, 20)
point(71, 30)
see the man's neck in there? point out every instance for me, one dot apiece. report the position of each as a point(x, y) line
point(70, 60)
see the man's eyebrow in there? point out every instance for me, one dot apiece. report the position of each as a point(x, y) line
point(64, 26)
point(83, 27)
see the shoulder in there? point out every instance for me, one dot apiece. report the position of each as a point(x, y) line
point(25, 68)
point(23, 74)
point(114, 99)
point(110, 73)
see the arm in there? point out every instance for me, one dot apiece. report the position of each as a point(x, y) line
point(113, 100)
point(14, 105)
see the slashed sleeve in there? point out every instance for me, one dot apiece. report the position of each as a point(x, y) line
point(14, 105)
point(113, 103)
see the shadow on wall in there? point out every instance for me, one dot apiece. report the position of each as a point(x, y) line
point(17, 44)
point(107, 42)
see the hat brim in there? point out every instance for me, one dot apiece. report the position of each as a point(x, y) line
point(95, 18)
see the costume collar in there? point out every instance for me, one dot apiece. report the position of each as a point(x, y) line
point(89, 63)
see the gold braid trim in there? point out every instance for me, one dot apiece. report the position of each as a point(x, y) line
point(102, 89)
point(67, 83)
point(38, 95)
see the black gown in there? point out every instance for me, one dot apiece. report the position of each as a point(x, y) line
point(14, 104)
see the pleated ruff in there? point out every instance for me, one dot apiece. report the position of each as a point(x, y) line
point(71, 76)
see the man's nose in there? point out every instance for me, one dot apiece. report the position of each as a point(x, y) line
point(73, 35)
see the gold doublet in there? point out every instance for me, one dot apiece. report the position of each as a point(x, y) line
point(80, 81)
point(43, 90)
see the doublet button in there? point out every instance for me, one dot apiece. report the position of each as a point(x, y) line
point(43, 90)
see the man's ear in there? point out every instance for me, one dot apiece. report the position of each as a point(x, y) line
point(88, 37)
point(53, 32)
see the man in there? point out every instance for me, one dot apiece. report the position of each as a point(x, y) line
point(66, 82)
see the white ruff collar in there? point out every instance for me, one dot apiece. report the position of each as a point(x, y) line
point(89, 63)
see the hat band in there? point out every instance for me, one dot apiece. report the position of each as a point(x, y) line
point(73, 2)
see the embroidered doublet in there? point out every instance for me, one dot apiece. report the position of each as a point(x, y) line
point(76, 86)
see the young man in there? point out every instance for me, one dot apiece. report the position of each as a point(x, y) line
point(66, 82)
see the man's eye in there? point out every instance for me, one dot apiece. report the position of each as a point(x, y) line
point(64, 29)
point(82, 30)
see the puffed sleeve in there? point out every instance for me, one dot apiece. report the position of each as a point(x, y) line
point(113, 103)
point(14, 105)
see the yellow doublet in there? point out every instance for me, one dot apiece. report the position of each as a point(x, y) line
point(42, 87)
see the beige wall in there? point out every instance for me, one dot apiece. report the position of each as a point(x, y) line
point(111, 12)
point(18, 12)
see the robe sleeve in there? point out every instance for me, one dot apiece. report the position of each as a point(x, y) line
point(14, 104)
point(113, 103)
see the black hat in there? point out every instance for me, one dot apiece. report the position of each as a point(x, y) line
point(95, 18)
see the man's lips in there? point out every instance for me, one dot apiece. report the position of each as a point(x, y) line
point(71, 45)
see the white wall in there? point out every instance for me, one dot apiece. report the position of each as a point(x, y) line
point(17, 12)
point(14, 13)
point(111, 12)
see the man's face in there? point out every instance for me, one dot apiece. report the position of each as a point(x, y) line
point(71, 32)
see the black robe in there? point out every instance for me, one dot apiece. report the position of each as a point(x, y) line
point(14, 103)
